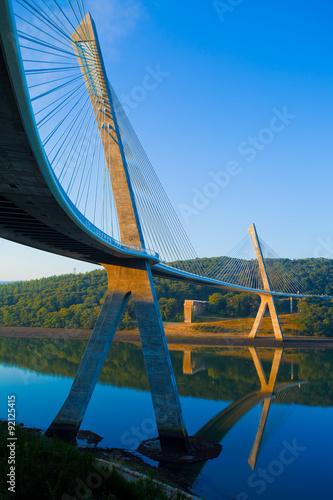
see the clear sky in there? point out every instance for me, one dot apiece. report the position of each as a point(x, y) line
point(232, 101)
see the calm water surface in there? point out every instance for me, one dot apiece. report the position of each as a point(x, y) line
point(273, 418)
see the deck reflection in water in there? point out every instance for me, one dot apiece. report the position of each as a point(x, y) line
point(271, 409)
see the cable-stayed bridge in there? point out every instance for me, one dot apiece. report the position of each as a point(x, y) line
point(76, 181)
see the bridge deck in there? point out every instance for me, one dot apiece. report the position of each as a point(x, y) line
point(34, 210)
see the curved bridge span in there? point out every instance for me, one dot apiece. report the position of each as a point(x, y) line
point(35, 210)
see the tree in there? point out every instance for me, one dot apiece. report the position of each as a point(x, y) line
point(217, 303)
point(126, 322)
point(168, 308)
point(316, 317)
point(74, 301)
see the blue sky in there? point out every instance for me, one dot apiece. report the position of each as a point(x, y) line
point(242, 91)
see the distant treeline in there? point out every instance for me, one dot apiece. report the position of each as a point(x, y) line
point(74, 301)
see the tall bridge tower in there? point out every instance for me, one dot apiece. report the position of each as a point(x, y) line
point(132, 277)
point(266, 299)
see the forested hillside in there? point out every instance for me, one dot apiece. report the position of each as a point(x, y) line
point(74, 301)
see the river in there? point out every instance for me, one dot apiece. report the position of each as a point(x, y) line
point(273, 419)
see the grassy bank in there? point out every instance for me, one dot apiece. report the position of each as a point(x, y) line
point(233, 326)
point(51, 469)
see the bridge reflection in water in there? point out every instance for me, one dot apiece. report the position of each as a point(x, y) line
point(270, 390)
point(283, 396)
point(194, 368)
point(219, 426)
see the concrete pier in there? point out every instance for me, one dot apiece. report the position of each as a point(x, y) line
point(131, 277)
point(266, 299)
point(122, 282)
point(193, 308)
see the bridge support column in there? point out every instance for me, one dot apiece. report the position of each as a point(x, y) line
point(123, 281)
point(267, 299)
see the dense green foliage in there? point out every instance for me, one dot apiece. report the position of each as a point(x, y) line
point(316, 317)
point(51, 469)
point(234, 305)
point(74, 301)
point(71, 301)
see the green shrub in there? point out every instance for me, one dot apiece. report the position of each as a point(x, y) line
point(52, 470)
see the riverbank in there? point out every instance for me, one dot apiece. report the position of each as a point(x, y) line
point(49, 468)
point(224, 333)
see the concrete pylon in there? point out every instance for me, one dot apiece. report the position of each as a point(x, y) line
point(267, 299)
point(122, 282)
point(130, 277)
point(87, 49)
